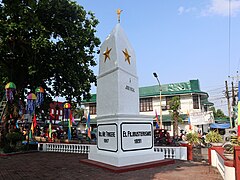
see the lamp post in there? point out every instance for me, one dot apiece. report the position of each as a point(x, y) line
point(160, 97)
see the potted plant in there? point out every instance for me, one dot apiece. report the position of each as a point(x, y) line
point(214, 138)
point(193, 147)
point(193, 139)
point(229, 147)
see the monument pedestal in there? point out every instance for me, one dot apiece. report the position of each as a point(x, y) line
point(124, 140)
point(124, 137)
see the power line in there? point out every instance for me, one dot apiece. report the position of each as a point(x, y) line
point(217, 94)
point(216, 89)
point(207, 88)
point(220, 105)
point(229, 38)
point(215, 99)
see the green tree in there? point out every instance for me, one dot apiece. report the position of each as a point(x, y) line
point(175, 107)
point(50, 44)
point(218, 113)
point(78, 113)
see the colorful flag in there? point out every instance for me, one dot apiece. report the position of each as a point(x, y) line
point(50, 130)
point(31, 131)
point(69, 130)
point(30, 134)
point(88, 127)
point(71, 117)
point(17, 126)
point(189, 122)
point(32, 128)
point(34, 121)
point(157, 120)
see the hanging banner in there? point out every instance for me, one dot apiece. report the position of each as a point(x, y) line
point(199, 118)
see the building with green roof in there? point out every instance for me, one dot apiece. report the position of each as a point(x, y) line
point(193, 103)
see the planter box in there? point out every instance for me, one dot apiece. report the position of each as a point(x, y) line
point(216, 144)
point(228, 156)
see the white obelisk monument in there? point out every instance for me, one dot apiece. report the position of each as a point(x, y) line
point(124, 137)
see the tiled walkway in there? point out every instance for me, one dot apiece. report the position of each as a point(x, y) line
point(60, 166)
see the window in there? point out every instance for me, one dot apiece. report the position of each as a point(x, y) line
point(92, 108)
point(195, 101)
point(167, 126)
point(146, 105)
point(205, 108)
point(168, 99)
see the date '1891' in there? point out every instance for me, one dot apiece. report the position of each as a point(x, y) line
point(137, 141)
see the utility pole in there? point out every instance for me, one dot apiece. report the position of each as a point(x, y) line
point(234, 106)
point(233, 96)
point(229, 106)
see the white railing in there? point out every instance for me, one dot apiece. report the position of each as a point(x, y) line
point(172, 152)
point(169, 152)
point(65, 148)
point(228, 173)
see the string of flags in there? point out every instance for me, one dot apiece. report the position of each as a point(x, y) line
point(88, 127)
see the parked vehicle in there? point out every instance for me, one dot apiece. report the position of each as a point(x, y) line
point(229, 133)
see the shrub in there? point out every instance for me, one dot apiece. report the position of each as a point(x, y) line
point(193, 138)
point(14, 137)
point(8, 149)
point(214, 137)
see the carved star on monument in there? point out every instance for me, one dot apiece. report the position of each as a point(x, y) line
point(127, 56)
point(107, 54)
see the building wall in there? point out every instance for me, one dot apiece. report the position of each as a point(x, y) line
point(186, 101)
point(186, 105)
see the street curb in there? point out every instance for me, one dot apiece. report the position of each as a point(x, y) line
point(17, 153)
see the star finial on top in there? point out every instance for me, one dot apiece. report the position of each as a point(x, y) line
point(127, 56)
point(107, 54)
point(119, 13)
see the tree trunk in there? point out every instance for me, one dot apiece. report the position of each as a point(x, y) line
point(175, 125)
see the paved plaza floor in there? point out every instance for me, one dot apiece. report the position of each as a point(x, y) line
point(47, 166)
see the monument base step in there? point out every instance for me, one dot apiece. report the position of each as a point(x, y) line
point(134, 167)
point(120, 158)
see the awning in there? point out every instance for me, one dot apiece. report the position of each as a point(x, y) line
point(220, 126)
point(168, 117)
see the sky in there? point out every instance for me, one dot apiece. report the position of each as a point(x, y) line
point(180, 40)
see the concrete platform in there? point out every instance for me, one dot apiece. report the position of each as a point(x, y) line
point(62, 166)
point(128, 168)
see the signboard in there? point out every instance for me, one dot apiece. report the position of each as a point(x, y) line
point(107, 137)
point(136, 136)
point(199, 118)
